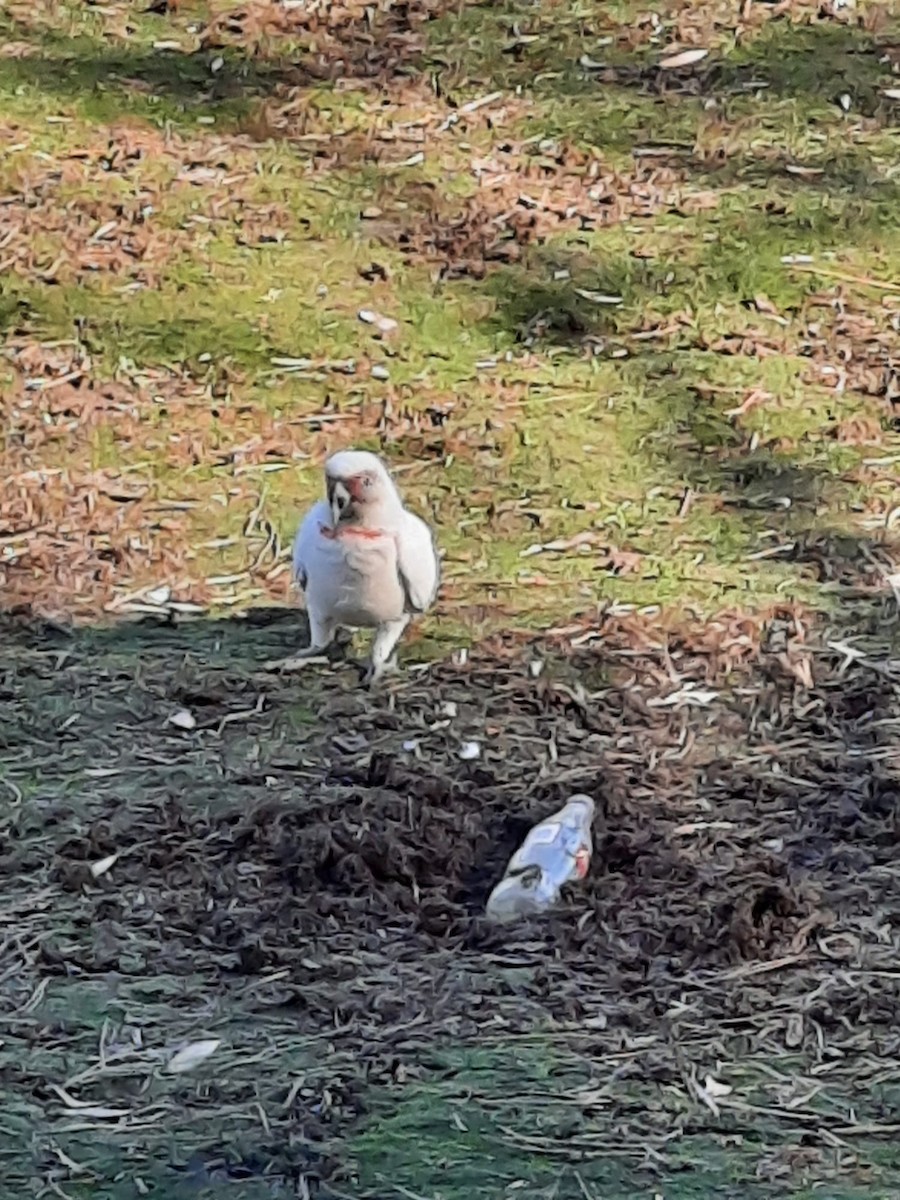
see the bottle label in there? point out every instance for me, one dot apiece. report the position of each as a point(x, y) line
point(543, 835)
point(582, 862)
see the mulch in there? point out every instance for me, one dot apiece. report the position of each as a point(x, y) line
point(321, 856)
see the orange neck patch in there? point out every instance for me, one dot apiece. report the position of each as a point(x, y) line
point(342, 531)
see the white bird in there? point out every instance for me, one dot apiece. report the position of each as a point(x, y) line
point(362, 559)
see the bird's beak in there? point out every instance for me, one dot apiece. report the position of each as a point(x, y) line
point(340, 498)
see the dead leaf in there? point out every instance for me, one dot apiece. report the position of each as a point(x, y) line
point(800, 666)
point(702, 201)
point(793, 1036)
point(384, 325)
point(101, 1113)
point(192, 1055)
point(714, 1088)
point(763, 304)
point(103, 865)
point(687, 696)
point(685, 58)
point(586, 538)
point(754, 398)
point(596, 297)
point(622, 562)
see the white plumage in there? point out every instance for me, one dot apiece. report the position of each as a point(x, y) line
point(362, 559)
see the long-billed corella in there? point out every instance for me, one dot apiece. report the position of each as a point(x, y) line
point(362, 559)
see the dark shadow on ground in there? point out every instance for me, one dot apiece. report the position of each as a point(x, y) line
point(197, 847)
point(515, 46)
point(788, 491)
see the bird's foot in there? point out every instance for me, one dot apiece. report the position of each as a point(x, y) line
point(375, 672)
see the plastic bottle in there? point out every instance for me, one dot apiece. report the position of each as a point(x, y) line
point(556, 851)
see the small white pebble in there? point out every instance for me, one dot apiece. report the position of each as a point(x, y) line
point(469, 750)
point(449, 708)
point(380, 372)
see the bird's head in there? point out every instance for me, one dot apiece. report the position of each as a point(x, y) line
point(360, 490)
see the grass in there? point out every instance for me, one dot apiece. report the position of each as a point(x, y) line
point(277, 263)
point(644, 355)
point(480, 1121)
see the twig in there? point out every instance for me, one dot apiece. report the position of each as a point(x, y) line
point(864, 280)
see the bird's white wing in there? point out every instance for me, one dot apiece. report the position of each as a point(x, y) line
point(306, 540)
point(417, 562)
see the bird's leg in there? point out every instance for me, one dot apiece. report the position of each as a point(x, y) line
point(386, 638)
point(321, 635)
